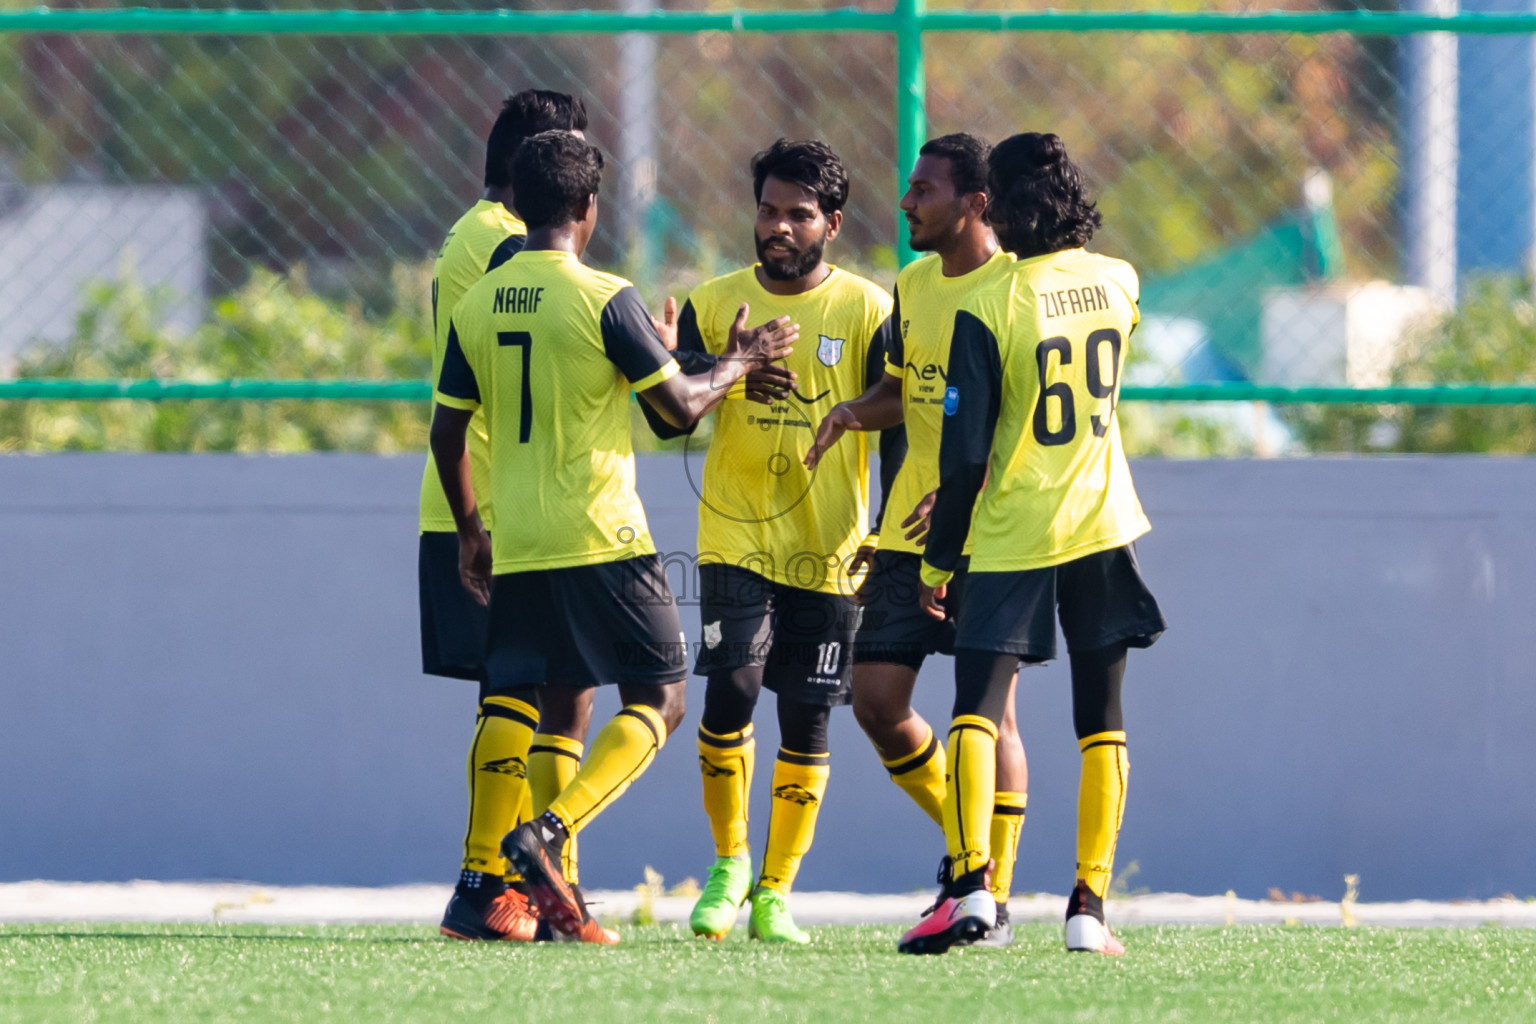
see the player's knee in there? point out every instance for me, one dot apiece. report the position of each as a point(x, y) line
point(565, 711)
point(1097, 677)
point(880, 719)
point(983, 683)
point(1008, 728)
point(803, 727)
point(669, 700)
point(730, 696)
point(674, 705)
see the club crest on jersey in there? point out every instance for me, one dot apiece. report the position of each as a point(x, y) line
point(711, 635)
point(951, 400)
point(829, 350)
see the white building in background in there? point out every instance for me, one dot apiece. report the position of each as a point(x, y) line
point(57, 239)
point(1342, 333)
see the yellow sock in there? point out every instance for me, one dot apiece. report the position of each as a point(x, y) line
point(799, 783)
point(552, 764)
point(725, 762)
point(920, 774)
point(621, 752)
point(1007, 823)
point(498, 779)
point(1100, 806)
point(968, 794)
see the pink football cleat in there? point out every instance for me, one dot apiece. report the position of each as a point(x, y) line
point(964, 912)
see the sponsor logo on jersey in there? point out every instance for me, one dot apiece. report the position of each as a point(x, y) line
point(928, 371)
point(829, 350)
point(711, 635)
point(951, 400)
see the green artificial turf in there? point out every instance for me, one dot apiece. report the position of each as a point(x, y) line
point(385, 973)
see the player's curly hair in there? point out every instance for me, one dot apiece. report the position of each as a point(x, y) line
point(810, 164)
point(525, 114)
point(967, 156)
point(1037, 203)
point(552, 173)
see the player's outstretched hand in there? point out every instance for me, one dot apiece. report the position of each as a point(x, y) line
point(475, 564)
point(921, 519)
point(763, 344)
point(667, 325)
point(768, 384)
point(930, 597)
point(836, 423)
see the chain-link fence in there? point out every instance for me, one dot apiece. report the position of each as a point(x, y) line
point(1313, 199)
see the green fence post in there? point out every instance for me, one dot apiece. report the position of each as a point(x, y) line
point(911, 113)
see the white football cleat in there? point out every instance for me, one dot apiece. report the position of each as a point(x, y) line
point(1086, 930)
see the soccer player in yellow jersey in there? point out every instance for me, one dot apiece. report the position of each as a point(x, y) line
point(945, 204)
point(452, 623)
point(776, 540)
point(1029, 425)
point(577, 597)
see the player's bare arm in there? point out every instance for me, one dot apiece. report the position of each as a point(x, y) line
point(878, 408)
point(451, 455)
point(764, 386)
point(683, 399)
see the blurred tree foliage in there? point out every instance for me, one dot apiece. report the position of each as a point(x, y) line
point(352, 153)
point(1489, 339)
point(271, 327)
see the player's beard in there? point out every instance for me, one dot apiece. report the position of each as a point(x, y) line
point(793, 267)
point(936, 239)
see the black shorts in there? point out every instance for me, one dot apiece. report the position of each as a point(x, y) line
point(1101, 598)
point(895, 629)
point(802, 638)
point(452, 622)
point(586, 625)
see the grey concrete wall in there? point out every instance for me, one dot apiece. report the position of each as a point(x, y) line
point(208, 669)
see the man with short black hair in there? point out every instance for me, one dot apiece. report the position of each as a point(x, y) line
point(1031, 465)
point(776, 541)
point(551, 350)
point(945, 207)
point(507, 781)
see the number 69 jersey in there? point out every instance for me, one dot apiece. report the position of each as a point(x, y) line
point(551, 349)
point(1034, 377)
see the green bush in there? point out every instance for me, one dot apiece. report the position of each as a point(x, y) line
point(274, 326)
point(1489, 339)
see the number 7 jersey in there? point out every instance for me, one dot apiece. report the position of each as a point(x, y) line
point(552, 349)
point(1034, 377)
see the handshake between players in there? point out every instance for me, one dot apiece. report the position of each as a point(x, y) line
point(990, 380)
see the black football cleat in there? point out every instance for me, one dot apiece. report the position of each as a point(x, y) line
point(534, 849)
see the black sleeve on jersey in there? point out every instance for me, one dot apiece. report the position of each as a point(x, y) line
point(629, 337)
point(510, 246)
point(895, 345)
point(457, 379)
point(976, 380)
point(691, 359)
point(893, 441)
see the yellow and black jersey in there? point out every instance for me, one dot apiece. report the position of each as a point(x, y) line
point(918, 353)
point(760, 508)
point(479, 242)
point(1034, 376)
point(550, 350)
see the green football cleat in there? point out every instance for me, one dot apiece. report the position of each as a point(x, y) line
point(730, 879)
point(771, 921)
